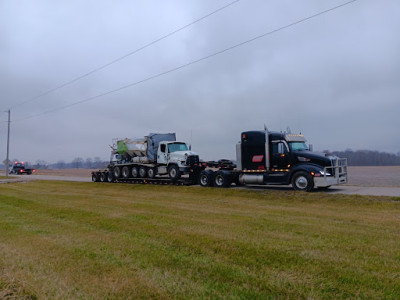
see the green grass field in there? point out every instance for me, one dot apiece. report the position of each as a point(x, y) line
point(5, 177)
point(64, 240)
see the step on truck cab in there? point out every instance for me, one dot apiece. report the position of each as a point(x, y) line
point(265, 157)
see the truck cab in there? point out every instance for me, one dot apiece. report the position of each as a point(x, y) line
point(168, 150)
point(280, 158)
point(175, 154)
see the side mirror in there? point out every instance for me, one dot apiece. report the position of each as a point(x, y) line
point(310, 147)
point(190, 147)
point(281, 149)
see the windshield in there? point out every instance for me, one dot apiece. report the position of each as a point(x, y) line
point(177, 147)
point(298, 146)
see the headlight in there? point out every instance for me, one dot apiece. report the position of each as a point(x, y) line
point(323, 173)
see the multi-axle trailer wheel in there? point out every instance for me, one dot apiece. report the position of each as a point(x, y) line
point(140, 174)
point(301, 180)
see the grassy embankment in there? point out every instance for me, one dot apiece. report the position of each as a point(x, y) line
point(108, 241)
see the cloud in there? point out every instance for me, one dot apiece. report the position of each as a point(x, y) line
point(334, 78)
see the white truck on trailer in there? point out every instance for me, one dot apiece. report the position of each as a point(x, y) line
point(155, 156)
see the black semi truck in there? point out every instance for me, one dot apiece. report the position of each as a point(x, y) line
point(273, 158)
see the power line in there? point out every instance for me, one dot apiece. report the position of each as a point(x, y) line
point(126, 55)
point(190, 63)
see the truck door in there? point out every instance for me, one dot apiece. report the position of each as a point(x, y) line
point(162, 155)
point(279, 155)
point(253, 150)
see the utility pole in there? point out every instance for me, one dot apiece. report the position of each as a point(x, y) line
point(8, 145)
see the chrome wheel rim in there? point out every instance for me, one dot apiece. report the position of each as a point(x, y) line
point(204, 180)
point(301, 182)
point(219, 180)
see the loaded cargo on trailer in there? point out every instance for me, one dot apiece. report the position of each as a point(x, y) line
point(265, 157)
point(155, 157)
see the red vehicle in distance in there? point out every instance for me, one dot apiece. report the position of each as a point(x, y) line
point(20, 168)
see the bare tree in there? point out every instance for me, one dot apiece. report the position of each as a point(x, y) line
point(77, 162)
point(61, 164)
point(98, 163)
point(89, 163)
point(41, 164)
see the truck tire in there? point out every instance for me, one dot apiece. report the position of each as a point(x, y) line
point(222, 179)
point(151, 172)
point(103, 177)
point(95, 178)
point(206, 178)
point(110, 177)
point(302, 181)
point(142, 172)
point(134, 172)
point(125, 172)
point(174, 173)
point(116, 172)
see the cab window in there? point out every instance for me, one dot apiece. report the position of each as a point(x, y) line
point(177, 147)
point(278, 148)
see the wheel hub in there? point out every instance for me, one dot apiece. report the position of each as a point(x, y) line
point(204, 180)
point(301, 182)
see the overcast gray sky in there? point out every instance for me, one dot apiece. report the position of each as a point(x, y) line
point(335, 77)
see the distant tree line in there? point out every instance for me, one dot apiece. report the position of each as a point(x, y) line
point(354, 158)
point(368, 158)
point(80, 163)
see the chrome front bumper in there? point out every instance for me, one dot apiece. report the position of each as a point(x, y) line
point(339, 171)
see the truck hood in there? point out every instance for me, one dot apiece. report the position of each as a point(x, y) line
point(313, 157)
point(182, 154)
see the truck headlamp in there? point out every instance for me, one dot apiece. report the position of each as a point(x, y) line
point(325, 173)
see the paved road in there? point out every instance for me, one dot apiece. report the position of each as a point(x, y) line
point(343, 189)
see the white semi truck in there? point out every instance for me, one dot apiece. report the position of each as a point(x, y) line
point(155, 156)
